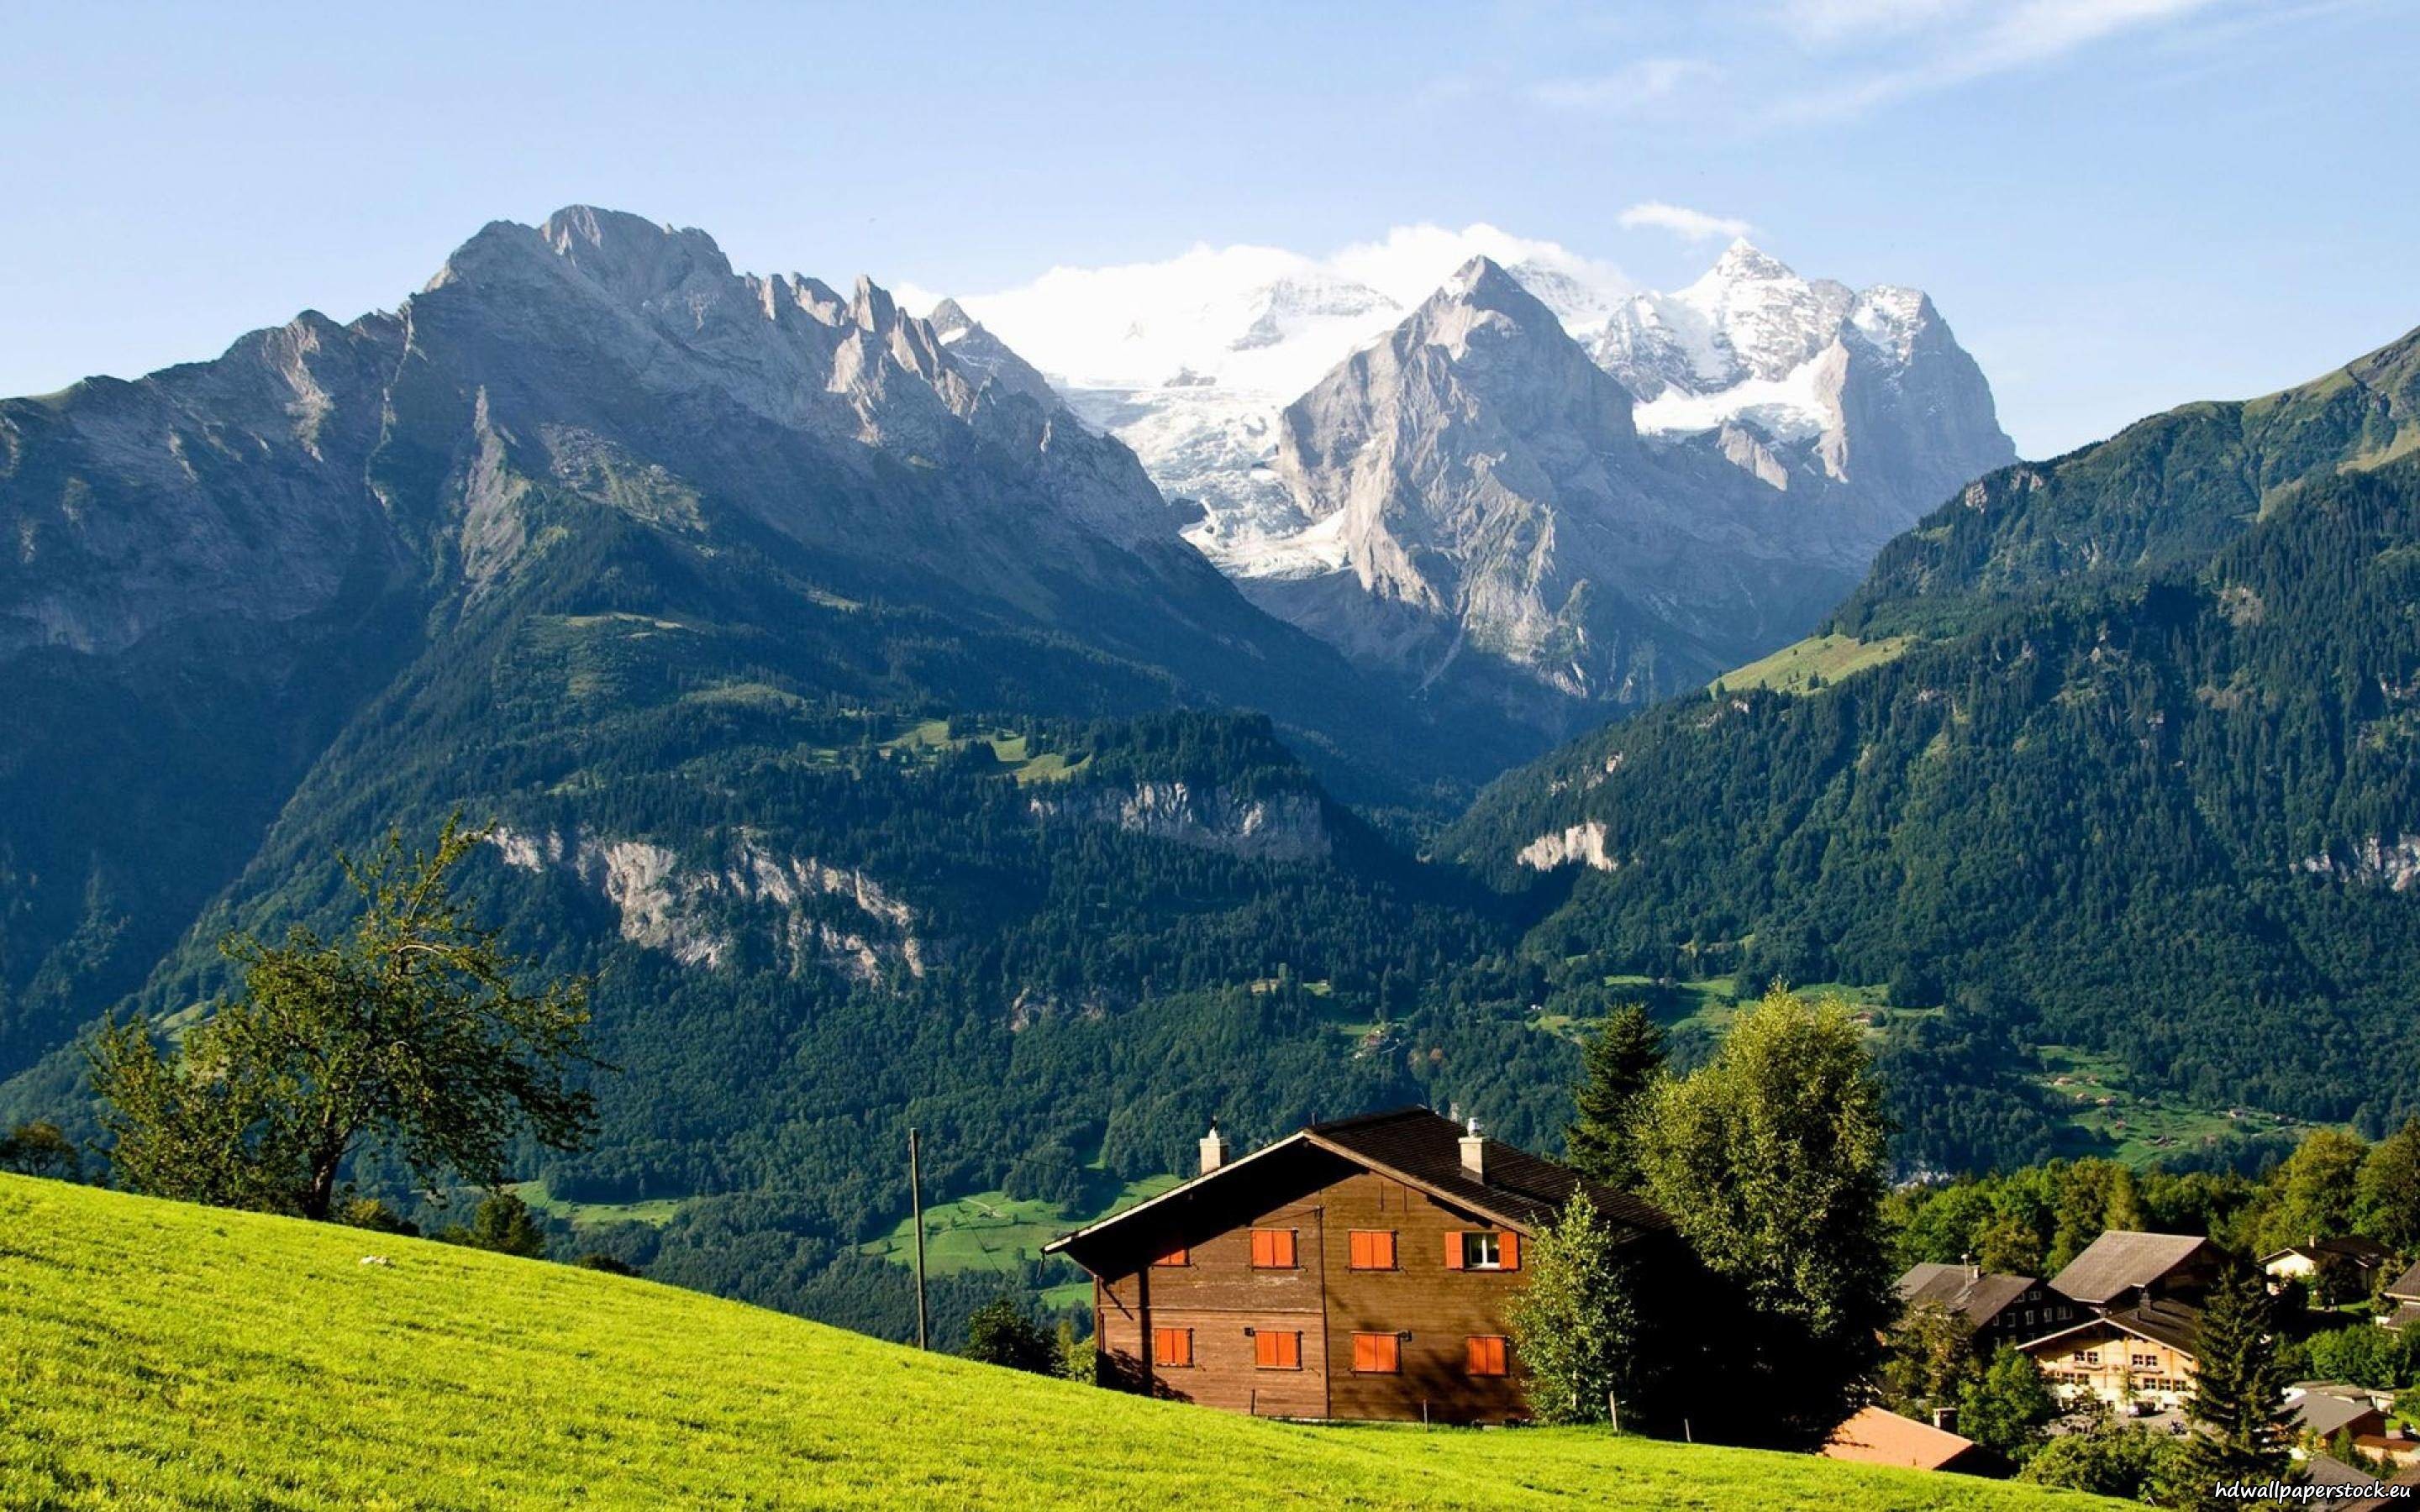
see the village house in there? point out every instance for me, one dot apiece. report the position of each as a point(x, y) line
point(2331, 1269)
point(2323, 1410)
point(2000, 1307)
point(2402, 1297)
point(2135, 1359)
point(1355, 1269)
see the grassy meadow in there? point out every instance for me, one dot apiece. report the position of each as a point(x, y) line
point(155, 1354)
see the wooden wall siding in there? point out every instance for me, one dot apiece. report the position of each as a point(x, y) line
point(1221, 1294)
point(2127, 1368)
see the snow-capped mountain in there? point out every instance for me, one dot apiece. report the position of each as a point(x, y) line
point(1481, 505)
point(1859, 404)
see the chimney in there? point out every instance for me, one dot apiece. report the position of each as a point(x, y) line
point(1214, 1148)
point(1973, 1268)
point(1474, 1153)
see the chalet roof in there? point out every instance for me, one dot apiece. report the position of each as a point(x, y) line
point(1422, 1149)
point(2120, 1260)
point(2360, 1249)
point(1977, 1297)
point(2172, 1323)
point(2323, 1412)
point(2327, 1470)
point(2406, 1287)
point(2408, 1475)
point(2404, 1316)
point(1877, 1435)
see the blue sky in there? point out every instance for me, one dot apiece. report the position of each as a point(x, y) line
point(2119, 204)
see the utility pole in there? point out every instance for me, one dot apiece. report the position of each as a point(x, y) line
point(916, 1202)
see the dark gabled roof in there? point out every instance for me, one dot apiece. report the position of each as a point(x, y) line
point(1521, 1190)
point(1979, 1299)
point(2406, 1287)
point(2360, 1250)
point(1422, 1149)
point(2120, 1260)
point(2172, 1323)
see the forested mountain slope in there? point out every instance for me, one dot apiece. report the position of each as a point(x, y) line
point(2133, 765)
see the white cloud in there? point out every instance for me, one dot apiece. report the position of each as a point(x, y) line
point(1692, 226)
point(1144, 323)
point(1646, 82)
point(1956, 41)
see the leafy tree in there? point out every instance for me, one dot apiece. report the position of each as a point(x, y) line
point(2009, 1408)
point(407, 1032)
point(1930, 1361)
point(1620, 1065)
point(2238, 1389)
point(1771, 1160)
point(40, 1148)
point(1576, 1326)
point(2387, 1201)
point(1079, 1360)
point(2365, 1355)
point(2314, 1191)
point(1000, 1332)
point(502, 1223)
point(2130, 1462)
point(598, 1260)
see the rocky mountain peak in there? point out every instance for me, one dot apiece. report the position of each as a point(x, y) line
point(1744, 262)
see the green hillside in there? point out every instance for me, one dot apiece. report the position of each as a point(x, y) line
point(154, 1354)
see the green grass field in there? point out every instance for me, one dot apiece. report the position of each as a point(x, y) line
point(992, 1231)
point(154, 1354)
point(1830, 657)
point(656, 1210)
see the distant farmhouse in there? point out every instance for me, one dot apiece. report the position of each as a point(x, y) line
point(2332, 1268)
point(1358, 1269)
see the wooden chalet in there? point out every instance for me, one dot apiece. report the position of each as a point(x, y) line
point(1358, 1270)
point(2129, 1357)
point(2330, 1266)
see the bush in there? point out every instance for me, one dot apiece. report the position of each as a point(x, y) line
point(1001, 1332)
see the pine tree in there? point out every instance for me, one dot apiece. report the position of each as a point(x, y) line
point(2238, 1388)
point(1620, 1062)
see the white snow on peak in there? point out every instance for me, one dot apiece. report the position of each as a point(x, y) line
point(1191, 360)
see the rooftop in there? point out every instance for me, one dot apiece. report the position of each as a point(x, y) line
point(1978, 1297)
point(2122, 1260)
point(1876, 1436)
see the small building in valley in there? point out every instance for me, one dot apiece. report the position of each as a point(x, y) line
point(1361, 1268)
point(2332, 1268)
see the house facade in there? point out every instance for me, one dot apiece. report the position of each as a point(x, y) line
point(2000, 1307)
point(2133, 1358)
point(1356, 1270)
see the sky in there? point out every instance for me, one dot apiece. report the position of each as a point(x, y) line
point(2119, 204)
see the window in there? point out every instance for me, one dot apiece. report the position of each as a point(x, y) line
point(1276, 1352)
point(1172, 1347)
point(1482, 1250)
point(1377, 1355)
point(1374, 1249)
point(2029, 1315)
point(1179, 1256)
point(1273, 1249)
point(2145, 1362)
point(1483, 1355)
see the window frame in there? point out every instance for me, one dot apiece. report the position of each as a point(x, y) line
point(1260, 1362)
point(1498, 1353)
point(1354, 1246)
point(1160, 1334)
point(1293, 1245)
point(1179, 1257)
point(1394, 1343)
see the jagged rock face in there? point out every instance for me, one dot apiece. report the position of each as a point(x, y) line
point(1283, 827)
point(1861, 400)
point(1477, 485)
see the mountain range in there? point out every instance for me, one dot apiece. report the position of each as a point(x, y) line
point(849, 701)
point(1606, 542)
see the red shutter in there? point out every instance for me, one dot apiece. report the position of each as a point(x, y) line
point(1375, 1354)
point(1453, 1251)
point(1511, 1252)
